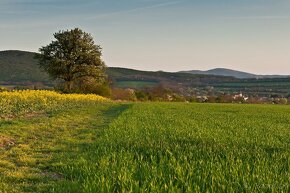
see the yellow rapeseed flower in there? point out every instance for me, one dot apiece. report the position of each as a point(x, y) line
point(27, 101)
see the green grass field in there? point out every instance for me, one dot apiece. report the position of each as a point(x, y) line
point(148, 147)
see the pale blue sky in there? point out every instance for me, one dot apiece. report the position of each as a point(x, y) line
point(170, 35)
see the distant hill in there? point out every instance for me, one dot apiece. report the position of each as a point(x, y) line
point(233, 73)
point(20, 66)
point(124, 77)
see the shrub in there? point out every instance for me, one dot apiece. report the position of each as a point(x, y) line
point(123, 94)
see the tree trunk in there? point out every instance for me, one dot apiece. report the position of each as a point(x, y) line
point(68, 86)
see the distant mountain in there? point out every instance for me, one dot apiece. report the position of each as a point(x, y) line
point(233, 73)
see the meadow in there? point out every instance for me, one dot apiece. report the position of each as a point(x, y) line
point(95, 145)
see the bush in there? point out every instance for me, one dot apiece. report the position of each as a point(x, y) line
point(2, 89)
point(123, 94)
point(88, 85)
point(141, 95)
point(178, 98)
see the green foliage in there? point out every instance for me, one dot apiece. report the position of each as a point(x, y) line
point(141, 95)
point(89, 85)
point(178, 98)
point(102, 90)
point(72, 57)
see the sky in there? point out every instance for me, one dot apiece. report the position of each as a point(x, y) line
point(168, 35)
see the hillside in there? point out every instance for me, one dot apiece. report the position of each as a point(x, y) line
point(124, 74)
point(223, 72)
point(233, 73)
point(20, 66)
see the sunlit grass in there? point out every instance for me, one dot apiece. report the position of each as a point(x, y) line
point(148, 147)
point(155, 147)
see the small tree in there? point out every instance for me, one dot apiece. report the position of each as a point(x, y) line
point(73, 57)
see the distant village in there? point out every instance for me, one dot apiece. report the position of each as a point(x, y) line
point(161, 93)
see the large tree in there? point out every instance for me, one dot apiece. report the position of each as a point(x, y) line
point(71, 58)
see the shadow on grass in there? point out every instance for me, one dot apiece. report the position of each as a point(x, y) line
point(46, 145)
point(80, 149)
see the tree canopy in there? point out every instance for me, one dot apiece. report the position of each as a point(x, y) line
point(72, 58)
